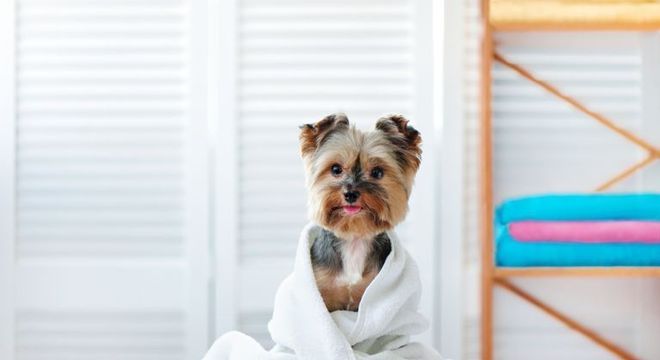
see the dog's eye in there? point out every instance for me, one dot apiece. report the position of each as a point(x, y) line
point(377, 172)
point(336, 170)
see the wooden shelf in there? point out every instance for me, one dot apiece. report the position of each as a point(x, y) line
point(564, 15)
point(503, 272)
point(548, 15)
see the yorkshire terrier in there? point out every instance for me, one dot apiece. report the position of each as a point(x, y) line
point(359, 184)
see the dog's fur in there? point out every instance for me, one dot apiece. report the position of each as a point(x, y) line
point(378, 167)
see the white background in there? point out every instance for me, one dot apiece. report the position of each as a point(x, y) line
point(151, 189)
point(197, 103)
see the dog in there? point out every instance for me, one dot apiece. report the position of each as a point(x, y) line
point(358, 187)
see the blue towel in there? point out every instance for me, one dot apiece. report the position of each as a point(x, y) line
point(514, 253)
point(578, 207)
point(575, 207)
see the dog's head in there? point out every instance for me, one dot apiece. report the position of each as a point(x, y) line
point(359, 182)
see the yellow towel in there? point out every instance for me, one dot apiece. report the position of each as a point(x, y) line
point(587, 14)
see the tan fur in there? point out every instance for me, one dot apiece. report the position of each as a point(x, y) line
point(338, 295)
point(393, 146)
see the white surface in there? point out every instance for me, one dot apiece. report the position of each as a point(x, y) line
point(111, 181)
point(450, 110)
point(7, 179)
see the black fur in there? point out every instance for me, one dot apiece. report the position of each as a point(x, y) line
point(326, 251)
point(356, 171)
point(334, 123)
point(355, 182)
point(380, 250)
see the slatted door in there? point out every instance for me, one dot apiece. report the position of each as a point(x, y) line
point(297, 61)
point(104, 212)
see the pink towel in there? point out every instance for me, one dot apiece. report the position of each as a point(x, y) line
point(587, 231)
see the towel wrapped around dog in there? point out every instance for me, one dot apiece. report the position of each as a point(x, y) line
point(302, 327)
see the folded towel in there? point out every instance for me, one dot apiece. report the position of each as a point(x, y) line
point(582, 207)
point(302, 327)
point(587, 231)
point(513, 253)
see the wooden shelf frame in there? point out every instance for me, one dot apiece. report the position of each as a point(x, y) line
point(566, 320)
point(492, 276)
point(613, 272)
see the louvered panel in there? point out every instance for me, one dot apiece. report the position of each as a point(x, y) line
point(538, 137)
point(524, 340)
point(111, 183)
point(534, 331)
point(101, 99)
point(99, 336)
point(298, 61)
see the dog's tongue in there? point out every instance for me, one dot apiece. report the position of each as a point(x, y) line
point(352, 210)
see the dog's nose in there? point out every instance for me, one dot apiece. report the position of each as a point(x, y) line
point(351, 196)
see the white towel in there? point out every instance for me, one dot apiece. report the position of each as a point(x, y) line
point(302, 327)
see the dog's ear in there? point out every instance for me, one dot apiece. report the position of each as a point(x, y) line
point(312, 136)
point(404, 137)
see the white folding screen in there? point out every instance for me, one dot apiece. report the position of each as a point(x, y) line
point(543, 145)
point(128, 126)
point(105, 247)
point(297, 61)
